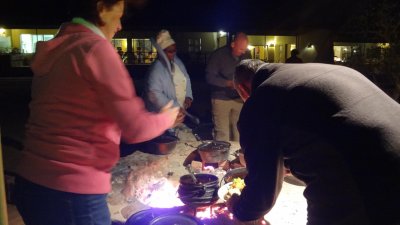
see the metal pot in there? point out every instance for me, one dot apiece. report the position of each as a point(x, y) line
point(202, 193)
point(157, 216)
point(209, 152)
point(214, 151)
point(162, 145)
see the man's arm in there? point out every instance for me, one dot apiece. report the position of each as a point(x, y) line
point(213, 70)
point(259, 139)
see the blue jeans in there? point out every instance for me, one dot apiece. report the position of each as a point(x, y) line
point(39, 205)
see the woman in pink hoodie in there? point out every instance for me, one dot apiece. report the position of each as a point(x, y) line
point(83, 102)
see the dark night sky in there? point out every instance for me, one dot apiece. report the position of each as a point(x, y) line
point(242, 14)
point(194, 15)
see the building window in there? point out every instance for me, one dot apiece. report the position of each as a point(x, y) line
point(120, 45)
point(194, 45)
point(28, 41)
point(144, 51)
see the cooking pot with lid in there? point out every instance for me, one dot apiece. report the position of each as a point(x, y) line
point(162, 145)
point(158, 216)
point(201, 193)
point(209, 152)
point(214, 151)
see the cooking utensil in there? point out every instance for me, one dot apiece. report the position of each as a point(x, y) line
point(193, 156)
point(162, 145)
point(202, 193)
point(209, 152)
point(189, 169)
point(175, 219)
point(148, 216)
point(214, 151)
point(193, 118)
point(141, 217)
point(198, 138)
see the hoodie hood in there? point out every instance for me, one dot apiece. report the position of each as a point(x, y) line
point(48, 53)
point(161, 55)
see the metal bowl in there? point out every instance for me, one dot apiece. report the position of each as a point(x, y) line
point(214, 151)
point(202, 193)
point(162, 145)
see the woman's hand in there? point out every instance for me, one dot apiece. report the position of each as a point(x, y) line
point(187, 103)
point(180, 117)
point(172, 112)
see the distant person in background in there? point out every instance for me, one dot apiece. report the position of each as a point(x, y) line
point(167, 79)
point(225, 101)
point(294, 57)
point(120, 52)
point(331, 128)
point(83, 103)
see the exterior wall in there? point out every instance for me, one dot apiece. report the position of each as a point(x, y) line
point(271, 48)
point(208, 40)
point(264, 47)
point(16, 34)
point(316, 46)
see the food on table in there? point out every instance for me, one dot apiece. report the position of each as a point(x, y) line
point(235, 187)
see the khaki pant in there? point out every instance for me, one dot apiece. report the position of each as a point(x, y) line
point(225, 114)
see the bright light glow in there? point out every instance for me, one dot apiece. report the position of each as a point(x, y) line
point(384, 45)
point(2, 32)
point(290, 207)
point(292, 46)
point(271, 43)
point(162, 194)
point(250, 47)
point(207, 213)
point(222, 33)
point(337, 59)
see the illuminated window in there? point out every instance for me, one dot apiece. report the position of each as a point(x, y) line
point(144, 51)
point(28, 41)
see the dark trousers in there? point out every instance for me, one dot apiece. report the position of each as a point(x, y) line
point(39, 205)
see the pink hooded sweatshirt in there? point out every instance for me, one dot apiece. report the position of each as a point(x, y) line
point(83, 99)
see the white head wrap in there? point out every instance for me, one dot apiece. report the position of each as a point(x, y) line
point(164, 39)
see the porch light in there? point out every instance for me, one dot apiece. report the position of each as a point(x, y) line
point(271, 44)
point(2, 32)
point(222, 33)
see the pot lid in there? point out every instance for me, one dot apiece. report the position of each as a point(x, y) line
point(175, 219)
point(214, 145)
point(142, 217)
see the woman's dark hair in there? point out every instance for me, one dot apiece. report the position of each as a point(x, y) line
point(87, 9)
